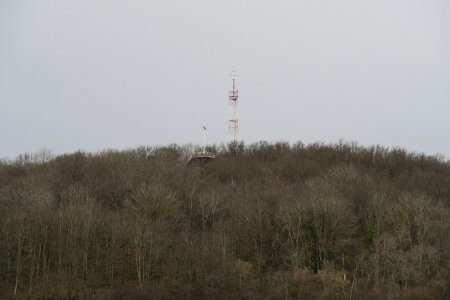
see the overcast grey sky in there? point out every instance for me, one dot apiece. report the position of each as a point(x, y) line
point(96, 74)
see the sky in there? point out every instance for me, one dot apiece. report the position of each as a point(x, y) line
point(102, 74)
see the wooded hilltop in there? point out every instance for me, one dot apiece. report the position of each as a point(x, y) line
point(261, 221)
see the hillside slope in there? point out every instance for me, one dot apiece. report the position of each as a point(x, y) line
point(260, 221)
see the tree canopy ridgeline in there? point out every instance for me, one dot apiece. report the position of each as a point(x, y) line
point(260, 221)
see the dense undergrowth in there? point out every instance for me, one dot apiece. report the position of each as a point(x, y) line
point(261, 221)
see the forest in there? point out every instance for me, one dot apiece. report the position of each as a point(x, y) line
point(260, 221)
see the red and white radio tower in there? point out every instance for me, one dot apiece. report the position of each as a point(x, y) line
point(233, 122)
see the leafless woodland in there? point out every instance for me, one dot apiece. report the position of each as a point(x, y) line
point(261, 221)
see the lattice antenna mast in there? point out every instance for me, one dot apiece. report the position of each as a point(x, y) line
point(233, 121)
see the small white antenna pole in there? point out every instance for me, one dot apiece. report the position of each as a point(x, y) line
point(204, 138)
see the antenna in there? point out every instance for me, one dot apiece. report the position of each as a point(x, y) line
point(233, 96)
point(203, 156)
point(204, 138)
